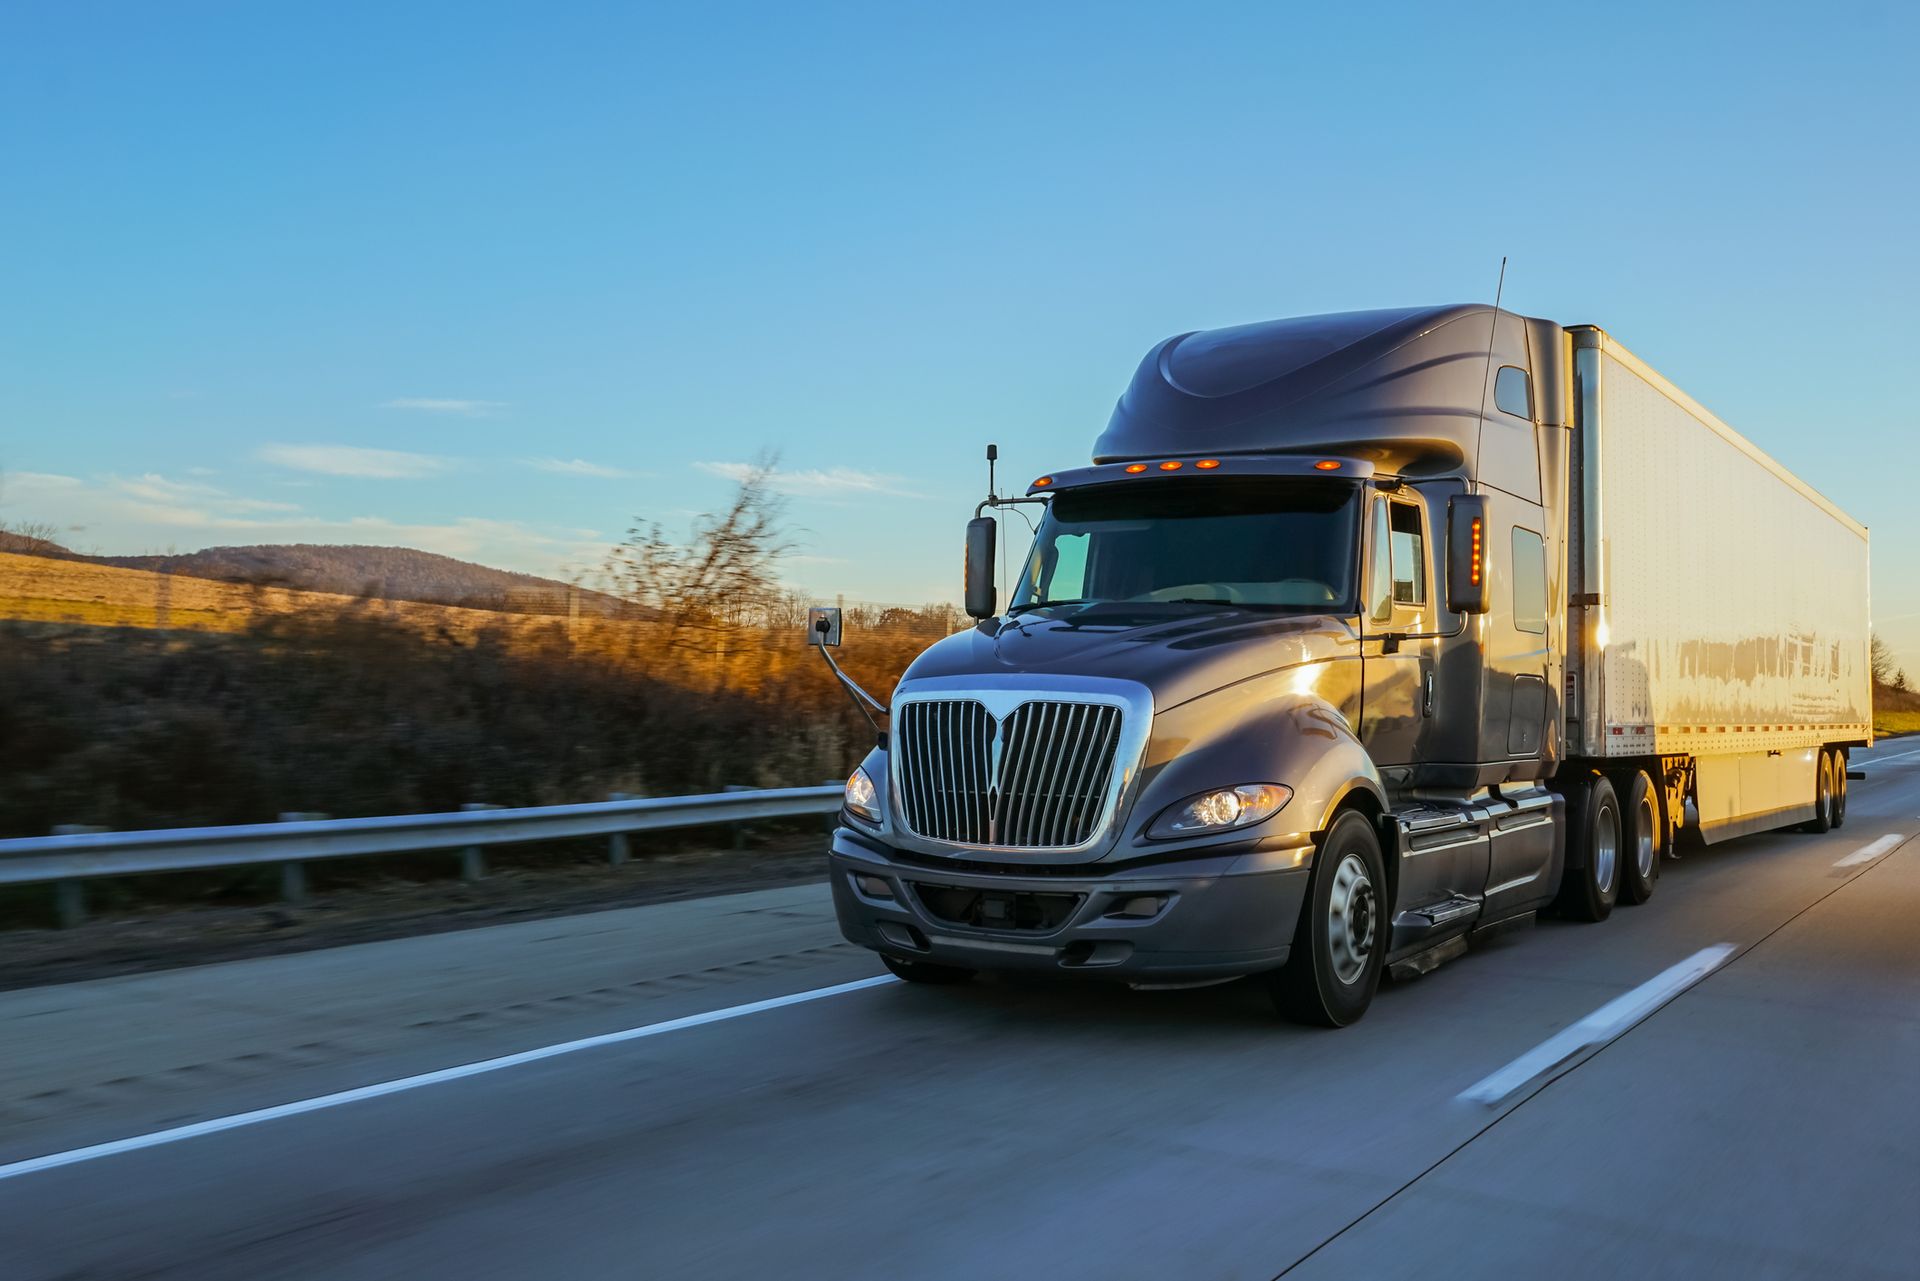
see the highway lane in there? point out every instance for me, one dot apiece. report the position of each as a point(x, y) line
point(1759, 1123)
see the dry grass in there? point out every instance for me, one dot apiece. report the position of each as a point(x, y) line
point(38, 589)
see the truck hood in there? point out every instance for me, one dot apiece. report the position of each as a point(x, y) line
point(1178, 658)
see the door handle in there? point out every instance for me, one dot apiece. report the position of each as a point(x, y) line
point(1426, 693)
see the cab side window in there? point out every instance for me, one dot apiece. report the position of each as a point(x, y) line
point(1380, 566)
point(1409, 555)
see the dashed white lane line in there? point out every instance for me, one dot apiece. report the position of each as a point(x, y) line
point(1868, 762)
point(1872, 850)
point(178, 1133)
point(1599, 1027)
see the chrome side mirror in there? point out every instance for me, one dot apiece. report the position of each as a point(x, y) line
point(823, 625)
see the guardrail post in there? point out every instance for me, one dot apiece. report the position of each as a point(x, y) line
point(473, 860)
point(738, 831)
point(618, 850)
point(293, 876)
point(70, 897)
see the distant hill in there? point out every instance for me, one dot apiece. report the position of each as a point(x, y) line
point(386, 573)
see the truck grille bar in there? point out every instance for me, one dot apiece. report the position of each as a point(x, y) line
point(1036, 779)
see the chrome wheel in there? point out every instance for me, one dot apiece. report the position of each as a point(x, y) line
point(1606, 847)
point(1643, 848)
point(1352, 914)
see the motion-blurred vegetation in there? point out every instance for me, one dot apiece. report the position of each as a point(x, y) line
point(325, 704)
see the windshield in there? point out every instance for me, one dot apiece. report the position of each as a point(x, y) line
point(1259, 543)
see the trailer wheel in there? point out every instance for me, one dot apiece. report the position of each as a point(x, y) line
point(1822, 819)
point(1594, 839)
point(1643, 845)
point(1341, 940)
point(923, 972)
point(1839, 758)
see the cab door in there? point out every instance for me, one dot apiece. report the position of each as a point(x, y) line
point(1397, 645)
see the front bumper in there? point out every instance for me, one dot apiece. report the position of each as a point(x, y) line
point(1216, 914)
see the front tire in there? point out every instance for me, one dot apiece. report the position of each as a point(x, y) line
point(926, 972)
point(1589, 891)
point(1644, 842)
point(1341, 940)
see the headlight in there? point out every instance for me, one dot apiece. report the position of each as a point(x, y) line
point(1220, 810)
point(862, 800)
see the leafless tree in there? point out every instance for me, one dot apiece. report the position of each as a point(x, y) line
point(30, 537)
point(702, 590)
point(1880, 660)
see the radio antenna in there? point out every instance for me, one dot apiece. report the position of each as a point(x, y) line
point(1486, 376)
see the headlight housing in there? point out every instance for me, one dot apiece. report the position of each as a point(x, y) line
point(1221, 810)
point(862, 798)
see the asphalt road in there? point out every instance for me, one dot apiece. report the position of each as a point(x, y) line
point(1763, 1122)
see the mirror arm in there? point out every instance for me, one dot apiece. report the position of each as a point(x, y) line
point(1005, 502)
point(861, 699)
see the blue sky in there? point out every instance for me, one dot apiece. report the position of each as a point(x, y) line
point(494, 279)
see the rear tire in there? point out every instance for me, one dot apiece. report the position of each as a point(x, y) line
point(1341, 939)
point(1822, 820)
point(1839, 755)
point(1644, 843)
point(1594, 839)
point(926, 972)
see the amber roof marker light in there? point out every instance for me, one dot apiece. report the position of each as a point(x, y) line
point(1043, 482)
point(1327, 464)
point(1170, 465)
point(1134, 469)
point(1207, 464)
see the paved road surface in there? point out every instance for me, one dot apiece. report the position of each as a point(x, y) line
point(1766, 1122)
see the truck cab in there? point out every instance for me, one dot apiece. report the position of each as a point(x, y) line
point(1279, 688)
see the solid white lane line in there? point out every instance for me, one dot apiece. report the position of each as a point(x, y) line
point(76, 1155)
point(1872, 850)
point(1599, 1027)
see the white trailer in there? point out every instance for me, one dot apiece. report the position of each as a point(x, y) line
point(1720, 605)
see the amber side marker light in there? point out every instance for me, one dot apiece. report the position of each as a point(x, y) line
point(1170, 466)
point(1207, 464)
point(1473, 571)
point(1327, 464)
point(1043, 482)
point(1134, 469)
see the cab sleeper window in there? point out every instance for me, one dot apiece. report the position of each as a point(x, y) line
point(1529, 581)
point(1513, 392)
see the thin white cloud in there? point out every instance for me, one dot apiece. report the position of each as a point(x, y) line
point(352, 460)
point(578, 467)
point(834, 482)
point(443, 405)
point(39, 480)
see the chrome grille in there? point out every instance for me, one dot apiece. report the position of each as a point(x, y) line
point(1037, 779)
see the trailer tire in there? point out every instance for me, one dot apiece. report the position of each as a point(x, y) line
point(925, 972)
point(1839, 756)
point(1822, 820)
point(1591, 888)
point(1340, 942)
point(1644, 844)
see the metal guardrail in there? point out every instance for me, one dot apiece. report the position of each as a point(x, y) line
point(74, 857)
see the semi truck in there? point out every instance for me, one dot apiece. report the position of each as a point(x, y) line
point(1361, 637)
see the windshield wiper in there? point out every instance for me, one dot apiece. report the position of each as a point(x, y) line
point(1049, 604)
